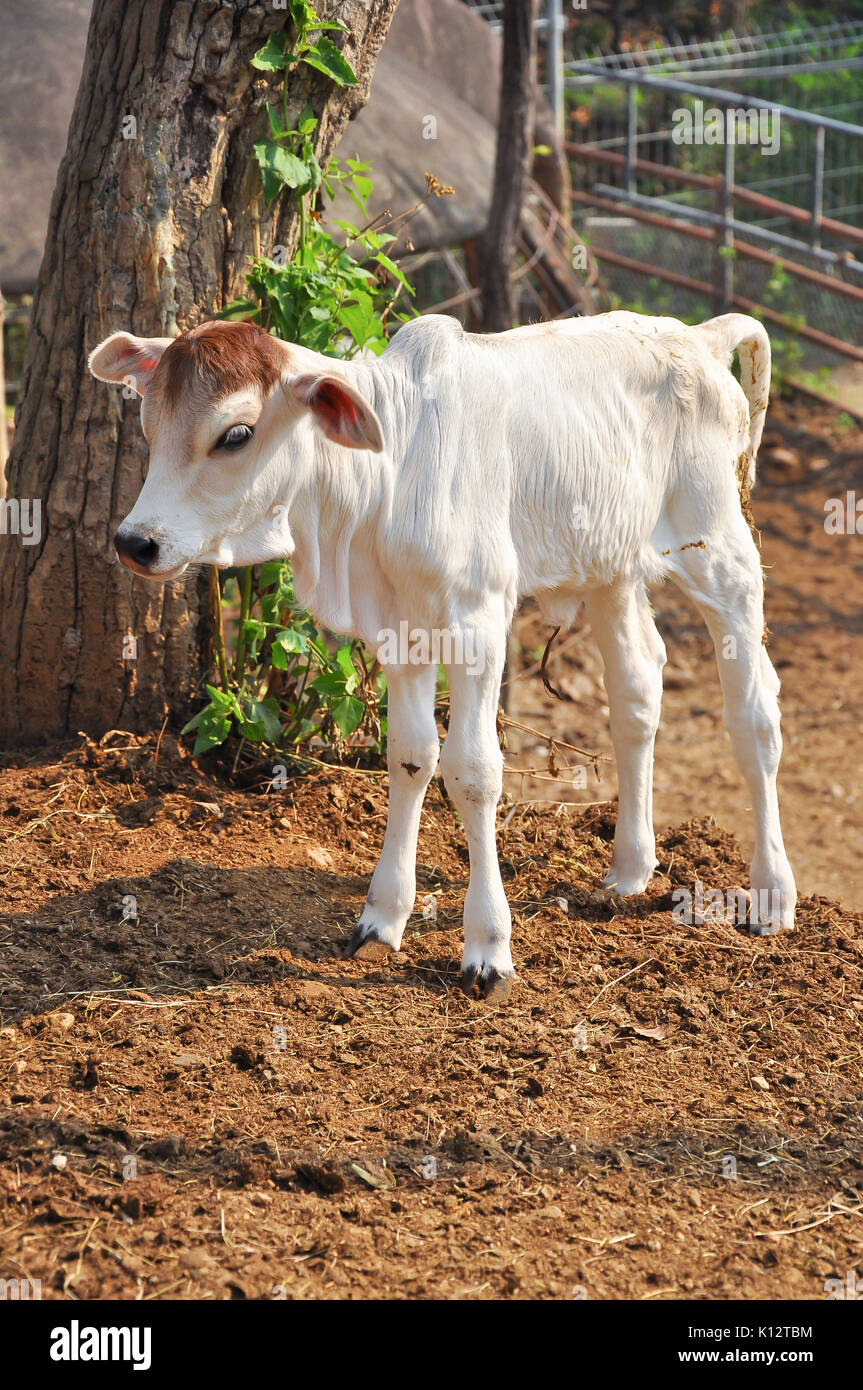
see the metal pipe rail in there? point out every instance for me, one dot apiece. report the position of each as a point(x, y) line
point(752, 253)
point(749, 306)
point(726, 224)
point(726, 189)
point(719, 95)
point(728, 233)
point(843, 231)
point(755, 44)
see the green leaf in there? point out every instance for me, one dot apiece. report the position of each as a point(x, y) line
point(327, 59)
point(254, 632)
point(307, 122)
point(211, 737)
point(302, 13)
point(363, 185)
point(272, 57)
point(376, 345)
point(271, 573)
point(310, 160)
point(221, 700)
point(360, 319)
point(261, 720)
point(291, 642)
point(344, 661)
point(280, 169)
point(376, 241)
point(394, 270)
point(193, 722)
point(348, 186)
point(213, 722)
point(327, 684)
point(347, 714)
point(277, 129)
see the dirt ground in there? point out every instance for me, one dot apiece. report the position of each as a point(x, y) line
point(199, 1098)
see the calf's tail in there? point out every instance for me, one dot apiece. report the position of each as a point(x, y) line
point(749, 338)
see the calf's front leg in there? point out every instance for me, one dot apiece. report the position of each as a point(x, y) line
point(472, 767)
point(412, 754)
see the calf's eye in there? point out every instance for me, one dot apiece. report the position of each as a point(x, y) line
point(235, 437)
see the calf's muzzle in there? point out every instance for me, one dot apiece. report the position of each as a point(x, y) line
point(136, 552)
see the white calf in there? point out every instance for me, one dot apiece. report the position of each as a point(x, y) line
point(577, 461)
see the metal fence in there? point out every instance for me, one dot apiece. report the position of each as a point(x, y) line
point(686, 223)
point(732, 55)
point(687, 171)
point(811, 69)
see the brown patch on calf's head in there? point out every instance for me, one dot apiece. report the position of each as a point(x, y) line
point(218, 358)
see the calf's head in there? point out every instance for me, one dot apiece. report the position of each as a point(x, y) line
point(229, 414)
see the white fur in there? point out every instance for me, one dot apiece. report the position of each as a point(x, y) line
point(579, 461)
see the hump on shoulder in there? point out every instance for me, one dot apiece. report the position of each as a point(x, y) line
point(427, 343)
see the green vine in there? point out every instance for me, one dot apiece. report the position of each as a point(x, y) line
point(286, 684)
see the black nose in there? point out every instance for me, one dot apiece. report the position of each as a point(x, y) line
point(141, 550)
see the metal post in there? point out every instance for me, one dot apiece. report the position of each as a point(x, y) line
point(725, 241)
point(631, 136)
point(554, 60)
point(817, 186)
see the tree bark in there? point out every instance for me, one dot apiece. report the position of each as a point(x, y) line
point(150, 231)
point(513, 160)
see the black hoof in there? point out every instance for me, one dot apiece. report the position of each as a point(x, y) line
point(365, 944)
point(763, 929)
point(484, 982)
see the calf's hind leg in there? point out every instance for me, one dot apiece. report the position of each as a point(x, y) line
point(724, 580)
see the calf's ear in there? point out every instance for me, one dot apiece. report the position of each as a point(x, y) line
point(123, 357)
point(339, 411)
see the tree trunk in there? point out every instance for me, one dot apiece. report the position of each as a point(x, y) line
point(512, 164)
point(150, 231)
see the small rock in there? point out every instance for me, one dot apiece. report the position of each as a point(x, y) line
point(786, 460)
point(166, 1146)
point(185, 1060)
point(194, 1259)
point(58, 1023)
point(320, 858)
point(761, 1083)
point(315, 992)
